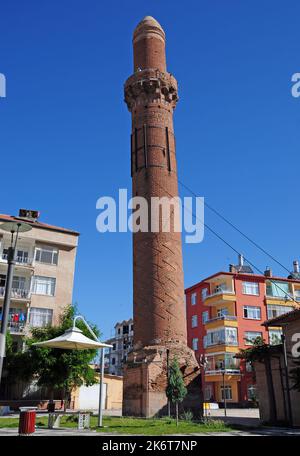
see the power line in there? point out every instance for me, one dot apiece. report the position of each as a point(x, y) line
point(236, 228)
point(235, 250)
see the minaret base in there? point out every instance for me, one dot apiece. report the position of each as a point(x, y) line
point(145, 381)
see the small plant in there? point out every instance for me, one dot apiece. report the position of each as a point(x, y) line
point(187, 416)
point(72, 419)
point(213, 424)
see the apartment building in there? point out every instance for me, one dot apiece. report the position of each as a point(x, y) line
point(43, 276)
point(121, 345)
point(225, 313)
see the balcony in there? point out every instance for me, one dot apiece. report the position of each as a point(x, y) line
point(221, 371)
point(219, 296)
point(230, 319)
point(16, 327)
point(229, 342)
point(222, 364)
point(17, 294)
point(20, 260)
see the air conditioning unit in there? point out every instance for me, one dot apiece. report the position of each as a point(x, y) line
point(29, 214)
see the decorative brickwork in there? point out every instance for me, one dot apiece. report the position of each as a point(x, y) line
point(158, 291)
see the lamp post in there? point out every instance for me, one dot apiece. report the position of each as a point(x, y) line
point(73, 339)
point(203, 361)
point(224, 393)
point(287, 383)
point(14, 228)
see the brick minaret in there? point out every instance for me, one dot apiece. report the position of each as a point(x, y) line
point(158, 290)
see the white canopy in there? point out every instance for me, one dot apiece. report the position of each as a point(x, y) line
point(72, 339)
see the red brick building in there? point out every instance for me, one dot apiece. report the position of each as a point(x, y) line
point(225, 313)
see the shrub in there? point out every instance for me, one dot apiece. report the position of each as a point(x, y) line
point(187, 416)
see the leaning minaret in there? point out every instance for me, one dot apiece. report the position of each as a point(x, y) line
point(158, 289)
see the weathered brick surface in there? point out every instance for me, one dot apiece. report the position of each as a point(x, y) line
point(158, 289)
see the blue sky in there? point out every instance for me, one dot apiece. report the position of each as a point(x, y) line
point(64, 138)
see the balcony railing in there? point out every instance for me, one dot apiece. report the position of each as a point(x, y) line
point(16, 293)
point(222, 342)
point(218, 291)
point(19, 259)
point(221, 371)
point(287, 297)
point(16, 327)
point(222, 317)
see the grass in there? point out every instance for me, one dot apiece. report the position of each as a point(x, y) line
point(127, 425)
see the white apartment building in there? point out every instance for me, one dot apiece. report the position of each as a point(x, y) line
point(121, 343)
point(43, 276)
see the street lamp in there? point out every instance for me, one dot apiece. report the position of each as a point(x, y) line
point(203, 361)
point(14, 228)
point(224, 393)
point(73, 339)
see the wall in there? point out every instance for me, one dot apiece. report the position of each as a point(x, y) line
point(88, 396)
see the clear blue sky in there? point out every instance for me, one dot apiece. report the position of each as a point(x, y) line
point(65, 130)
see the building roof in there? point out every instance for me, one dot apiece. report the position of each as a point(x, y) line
point(124, 322)
point(37, 224)
point(242, 275)
point(282, 320)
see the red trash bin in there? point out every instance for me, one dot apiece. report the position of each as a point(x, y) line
point(27, 420)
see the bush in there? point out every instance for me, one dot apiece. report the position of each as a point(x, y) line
point(187, 416)
point(213, 424)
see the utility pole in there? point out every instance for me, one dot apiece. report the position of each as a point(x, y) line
point(224, 394)
point(287, 383)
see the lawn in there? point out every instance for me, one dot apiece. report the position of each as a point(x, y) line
point(126, 425)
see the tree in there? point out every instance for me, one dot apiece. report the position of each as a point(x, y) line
point(176, 391)
point(55, 368)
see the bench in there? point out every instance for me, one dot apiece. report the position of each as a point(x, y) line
point(83, 418)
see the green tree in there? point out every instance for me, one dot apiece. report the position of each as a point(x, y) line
point(55, 368)
point(176, 390)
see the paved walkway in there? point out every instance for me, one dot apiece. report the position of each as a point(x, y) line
point(239, 416)
point(65, 432)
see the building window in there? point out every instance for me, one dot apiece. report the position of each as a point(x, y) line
point(43, 285)
point(252, 313)
point(131, 328)
point(126, 329)
point(193, 299)
point(194, 321)
point(222, 312)
point(195, 343)
point(205, 317)
point(275, 336)
point(39, 317)
point(204, 293)
point(208, 393)
point(278, 289)
point(114, 346)
point(224, 336)
point(251, 336)
point(113, 361)
point(251, 288)
point(21, 256)
point(18, 283)
point(228, 392)
point(47, 255)
point(251, 392)
point(275, 311)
